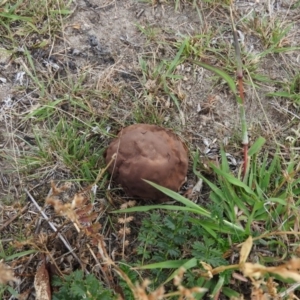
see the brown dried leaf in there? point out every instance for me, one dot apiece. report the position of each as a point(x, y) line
point(125, 220)
point(76, 26)
point(57, 204)
point(123, 231)
point(246, 249)
point(57, 190)
point(208, 268)
point(87, 218)
point(259, 294)
point(288, 270)
point(239, 277)
point(6, 273)
point(253, 270)
point(129, 219)
point(78, 200)
point(220, 269)
point(285, 273)
point(121, 220)
point(84, 211)
point(93, 229)
point(272, 287)
point(130, 203)
point(62, 209)
point(293, 264)
point(42, 283)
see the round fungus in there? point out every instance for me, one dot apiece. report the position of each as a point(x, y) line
point(147, 152)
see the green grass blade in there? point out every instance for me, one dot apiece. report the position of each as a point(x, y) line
point(169, 264)
point(209, 230)
point(224, 162)
point(230, 293)
point(191, 263)
point(151, 207)
point(176, 61)
point(218, 287)
point(256, 147)
point(279, 201)
point(220, 226)
point(179, 198)
point(212, 186)
point(220, 73)
point(230, 178)
point(15, 17)
point(17, 255)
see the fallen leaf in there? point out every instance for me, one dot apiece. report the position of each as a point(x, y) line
point(6, 273)
point(42, 283)
point(239, 277)
point(253, 270)
point(246, 249)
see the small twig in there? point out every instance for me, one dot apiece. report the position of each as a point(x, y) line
point(123, 238)
point(106, 5)
point(65, 242)
point(102, 171)
point(14, 217)
point(140, 13)
point(108, 282)
point(289, 290)
point(54, 262)
point(280, 109)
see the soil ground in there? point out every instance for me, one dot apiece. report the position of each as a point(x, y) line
point(100, 53)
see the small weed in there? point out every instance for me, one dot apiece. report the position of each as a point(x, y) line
point(150, 32)
point(200, 48)
point(183, 232)
point(149, 113)
point(273, 33)
point(132, 275)
point(161, 81)
point(77, 286)
point(290, 90)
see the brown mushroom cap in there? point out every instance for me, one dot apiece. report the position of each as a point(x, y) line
point(147, 152)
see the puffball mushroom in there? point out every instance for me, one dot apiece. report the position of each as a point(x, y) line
point(147, 152)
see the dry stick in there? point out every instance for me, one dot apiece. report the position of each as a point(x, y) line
point(124, 237)
point(108, 282)
point(14, 217)
point(241, 103)
point(54, 262)
point(289, 290)
point(65, 242)
point(114, 157)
